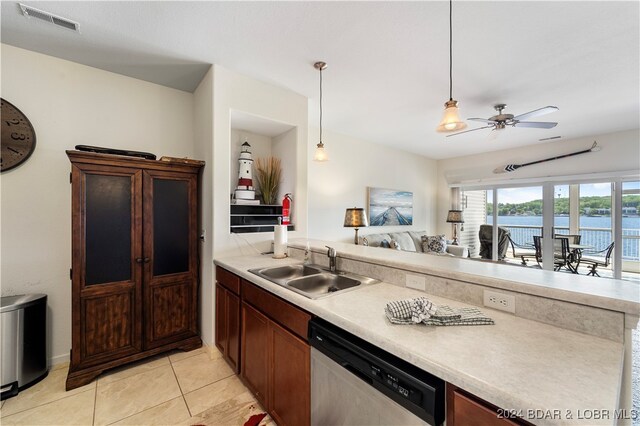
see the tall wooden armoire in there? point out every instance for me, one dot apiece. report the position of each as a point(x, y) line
point(135, 267)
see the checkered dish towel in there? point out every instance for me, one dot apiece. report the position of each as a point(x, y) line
point(410, 311)
point(415, 311)
point(446, 315)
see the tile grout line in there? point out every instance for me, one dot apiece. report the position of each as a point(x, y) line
point(180, 387)
point(95, 402)
point(42, 405)
point(215, 381)
point(140, 412)
point(133, 375)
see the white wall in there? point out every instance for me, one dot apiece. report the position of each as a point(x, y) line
point(203, 128)
point(233, 91)
point(70, 104)
point(260, 148)
point(353, 166)
point(284, 147)
point(620, 153)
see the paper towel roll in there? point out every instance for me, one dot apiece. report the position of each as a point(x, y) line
point(280, 241)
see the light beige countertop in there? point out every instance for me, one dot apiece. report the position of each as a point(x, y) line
point(615, 295)
point(515, 364)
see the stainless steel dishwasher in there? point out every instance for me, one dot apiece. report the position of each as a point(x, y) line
point(356, 383)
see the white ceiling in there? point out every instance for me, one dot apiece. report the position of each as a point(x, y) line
point(387, 78)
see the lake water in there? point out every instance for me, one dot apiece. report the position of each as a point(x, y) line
point(596, 238)
point(585, 221)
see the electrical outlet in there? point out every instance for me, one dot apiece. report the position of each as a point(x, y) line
point(416, 281)
point(501, 301)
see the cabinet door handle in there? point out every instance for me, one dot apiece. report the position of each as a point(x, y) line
point(143, 260)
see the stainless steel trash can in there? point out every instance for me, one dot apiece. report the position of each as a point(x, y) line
point(23, 328)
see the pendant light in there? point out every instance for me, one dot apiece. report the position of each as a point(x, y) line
point(451, 121)
point(320, 154)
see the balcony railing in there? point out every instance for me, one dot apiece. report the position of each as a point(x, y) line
point(598, 238)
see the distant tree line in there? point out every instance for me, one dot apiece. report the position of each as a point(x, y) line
point(601, 204)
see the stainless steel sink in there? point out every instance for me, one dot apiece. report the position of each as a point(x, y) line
point(316, 285)
point(312, 281)
point(282, 274)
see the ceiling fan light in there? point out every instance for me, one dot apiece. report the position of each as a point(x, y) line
point(320, 154)
point(451, 120)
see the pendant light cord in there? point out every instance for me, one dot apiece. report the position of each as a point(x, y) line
point(320, 104)
point(450, 50)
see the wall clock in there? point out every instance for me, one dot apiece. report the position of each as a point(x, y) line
point(18, 137)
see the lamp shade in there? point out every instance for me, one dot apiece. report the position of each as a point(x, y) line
point(455, 216)
point(451, 121)
point(355, 218)
point(320, 154)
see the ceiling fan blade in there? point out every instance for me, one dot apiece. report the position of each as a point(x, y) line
point(536, 124)
point(536, 113)
point(483, 120)
point(467, 131)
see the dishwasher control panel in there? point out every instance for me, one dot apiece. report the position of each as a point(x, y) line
point(395, 384)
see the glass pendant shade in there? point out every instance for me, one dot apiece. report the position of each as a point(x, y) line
point(451, 120)
point(321, 154)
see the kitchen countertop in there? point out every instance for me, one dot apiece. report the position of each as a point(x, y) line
point(615, 295)
point(516, 364)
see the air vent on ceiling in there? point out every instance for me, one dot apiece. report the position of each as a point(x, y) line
point(31, 12)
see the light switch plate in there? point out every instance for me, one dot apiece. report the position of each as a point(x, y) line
point(416, 281)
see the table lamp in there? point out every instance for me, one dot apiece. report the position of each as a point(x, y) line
point(355, 218)
point(455, 217)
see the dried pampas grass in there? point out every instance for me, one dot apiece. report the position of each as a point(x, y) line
point(268, 175)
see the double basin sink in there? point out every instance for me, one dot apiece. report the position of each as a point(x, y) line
point(312, 281)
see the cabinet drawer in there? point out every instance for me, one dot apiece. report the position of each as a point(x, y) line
point(277, 309)
point(471, 412)
point(228, 280)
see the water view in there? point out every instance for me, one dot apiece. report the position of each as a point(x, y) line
point(595, 231)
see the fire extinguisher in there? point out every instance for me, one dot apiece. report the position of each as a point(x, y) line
point(286, 209)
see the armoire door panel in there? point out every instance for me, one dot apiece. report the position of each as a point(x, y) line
point(171, 256)
point(171, 308)
point(109, 326)
point(107, 283)
point(108, 222)
point(170, 226)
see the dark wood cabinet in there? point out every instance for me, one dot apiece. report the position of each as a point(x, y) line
point(465, 409)
point(289, 396)
point(255, 353)
point(227, 325)
point(134, 260)
point(275, 355)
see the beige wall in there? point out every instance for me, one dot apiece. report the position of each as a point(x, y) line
point(70, 104)
point(620, 153)
point(203, 128)
point(353, 166)
point(233, 91)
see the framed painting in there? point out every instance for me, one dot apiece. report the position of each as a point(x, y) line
point(388, 207)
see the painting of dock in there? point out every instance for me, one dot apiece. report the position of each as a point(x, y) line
point(388, 207)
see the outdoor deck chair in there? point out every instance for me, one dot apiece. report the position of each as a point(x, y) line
point(573, 238)
point(523, 251)
point(561, 253)
point(594, 262)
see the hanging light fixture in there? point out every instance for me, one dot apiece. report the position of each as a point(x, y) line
point(451, 121)
point(320, 154)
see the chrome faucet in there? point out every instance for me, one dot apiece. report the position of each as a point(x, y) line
point(332, 258)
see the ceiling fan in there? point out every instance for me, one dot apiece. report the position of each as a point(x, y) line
point(501, 121)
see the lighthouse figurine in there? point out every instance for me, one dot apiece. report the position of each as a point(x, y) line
point(245, 189)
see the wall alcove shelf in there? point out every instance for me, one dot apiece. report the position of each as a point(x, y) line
point(255, 218)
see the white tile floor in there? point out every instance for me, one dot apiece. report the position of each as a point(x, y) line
point(181, 388)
